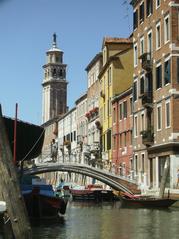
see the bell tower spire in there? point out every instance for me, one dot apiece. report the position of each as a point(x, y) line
point(54, 45)
point(54, 84)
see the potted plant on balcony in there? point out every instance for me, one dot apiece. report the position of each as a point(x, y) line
point(98, 124)
point(88, 115)
point(67, 143)
point(96, 109)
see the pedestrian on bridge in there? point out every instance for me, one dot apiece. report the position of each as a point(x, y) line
point(177, 178)
point(54, 150)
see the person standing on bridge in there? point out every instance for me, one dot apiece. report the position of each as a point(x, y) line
point(54, 150)
point(177, 179)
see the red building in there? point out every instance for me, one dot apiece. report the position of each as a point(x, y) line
point(122, 133)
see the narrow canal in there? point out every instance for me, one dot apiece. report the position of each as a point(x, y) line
point(110, 221)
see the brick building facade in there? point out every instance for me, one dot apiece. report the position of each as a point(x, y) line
point(122, 152)
point(156, 90)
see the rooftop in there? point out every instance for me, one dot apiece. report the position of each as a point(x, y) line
point(116, 40)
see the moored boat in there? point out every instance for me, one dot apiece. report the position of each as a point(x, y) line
point(63, 189)
point(42, 202)
point(147, 202)
point(92, 192)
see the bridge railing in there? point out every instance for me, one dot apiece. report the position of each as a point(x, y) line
point(127, 173)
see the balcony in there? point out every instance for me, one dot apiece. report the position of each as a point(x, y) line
point(147, 137)
point(102, 94)
point(146, 99)
point(94, 148)
point(86, 149)
point(98, 124)
point(146, 61)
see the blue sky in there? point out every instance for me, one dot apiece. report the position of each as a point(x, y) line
point(26, 29)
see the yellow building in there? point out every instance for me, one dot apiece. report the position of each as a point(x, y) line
point(115, 77)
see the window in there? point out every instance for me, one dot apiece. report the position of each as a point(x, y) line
point(157, 3)
point(135, 55)
point(109, 139)
point(109, 105)
point(130, 137)
point(109, 76)
point(54, 73)
point(68, 137)
point(135, 19)
point(120, 112)
point(159, 117)
point(142, 163)
point(125, 139)
point(158, 76)
point(104, 142)
point(135, 126)
point(149, 8)
point(60, 73)
point(177, 69)
point(125, 109)
point(135, 90)
point(167, 114)
point(142, 121)
point(104, 111)
point(136, 164)
point(166, 29)
point(114, 142)
point(158, 36)
point(167, 72)
point(141, 12)
point(142, 46)
point(114, 115)
point(131, 106)
point(149, 42)
point(142, 85)
point(120, 140)
point(74, 135)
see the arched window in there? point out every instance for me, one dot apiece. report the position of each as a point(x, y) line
point(60, 73)
point(54, 72)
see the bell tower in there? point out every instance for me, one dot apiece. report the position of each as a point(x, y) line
point(54, 96)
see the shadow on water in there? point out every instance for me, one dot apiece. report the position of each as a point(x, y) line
point(48, 222)
point(53, 228)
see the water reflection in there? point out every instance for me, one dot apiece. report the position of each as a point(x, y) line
point(110, 221)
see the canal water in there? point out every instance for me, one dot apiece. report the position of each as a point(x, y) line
point(110, 221)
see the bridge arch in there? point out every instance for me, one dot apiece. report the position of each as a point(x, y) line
point(116, 182)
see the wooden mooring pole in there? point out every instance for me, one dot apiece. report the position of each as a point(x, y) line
point(164, 177)
point(10, 190)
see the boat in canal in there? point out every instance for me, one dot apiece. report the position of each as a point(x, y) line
point(41, 200)
point(64, 189)
point(94, 192)
point(146, 201)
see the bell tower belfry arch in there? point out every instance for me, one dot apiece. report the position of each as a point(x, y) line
point(54, 96)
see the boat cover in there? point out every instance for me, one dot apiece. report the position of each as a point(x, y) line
point(29, 140)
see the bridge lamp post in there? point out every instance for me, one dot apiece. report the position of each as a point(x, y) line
point(62, 150)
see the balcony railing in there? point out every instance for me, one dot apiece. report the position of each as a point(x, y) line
point(102, 94)
point(147, 137)
point(146, 99)
point(95, 147)
point(146, 61)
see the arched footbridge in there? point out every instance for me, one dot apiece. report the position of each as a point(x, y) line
point(116, 182)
